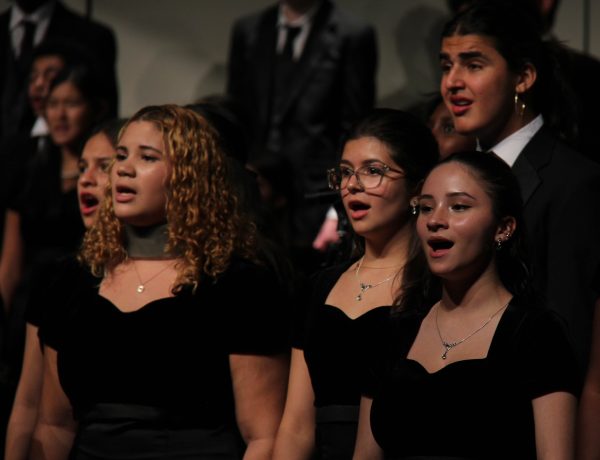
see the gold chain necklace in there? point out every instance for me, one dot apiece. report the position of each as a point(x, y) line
point(450, 345)
point(364, 287)
point(142, 286)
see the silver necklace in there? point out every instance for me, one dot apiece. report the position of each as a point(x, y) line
point(450, 345)
point(364, 287)
point(142, 286)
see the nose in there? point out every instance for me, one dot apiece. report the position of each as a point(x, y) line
point(437, 219)
point(452, 80)
point(125, 168)
point(87, 178)
point(354, 185)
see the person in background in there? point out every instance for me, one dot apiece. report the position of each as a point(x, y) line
point(386, 156)
point(580, 69)
point(191, 368)
point(96, 157)
point(17, 150)
point(301, 73)
point(501, 85)
point(42, 221)
point(27, 24)
point(482, 370)
point(442, 126)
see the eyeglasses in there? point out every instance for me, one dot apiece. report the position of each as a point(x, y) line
point(369, 176)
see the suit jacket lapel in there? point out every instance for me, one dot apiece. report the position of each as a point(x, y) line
point(321, 39)
point(536, 154)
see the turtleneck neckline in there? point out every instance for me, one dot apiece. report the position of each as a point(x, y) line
point(147, 242)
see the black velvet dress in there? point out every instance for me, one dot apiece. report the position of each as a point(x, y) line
point(156, 383)
point(334, 349)
point(472, 409)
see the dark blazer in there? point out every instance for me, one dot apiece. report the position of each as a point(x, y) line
point(67, 25)
point(332, 87)
point(561, 193)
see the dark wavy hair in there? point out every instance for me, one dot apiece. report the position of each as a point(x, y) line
point(512, 261)
point(515, 33)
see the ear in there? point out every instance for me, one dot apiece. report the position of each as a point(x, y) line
point(526, 78)
point(506, 229)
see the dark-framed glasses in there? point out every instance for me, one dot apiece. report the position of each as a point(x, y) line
point(369, 176)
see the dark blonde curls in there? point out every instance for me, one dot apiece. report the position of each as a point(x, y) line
point(205, 223)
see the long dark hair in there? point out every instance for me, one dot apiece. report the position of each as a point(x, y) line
point(515, 33)
point(412, 147)
point(409, 140)
point(512, 262)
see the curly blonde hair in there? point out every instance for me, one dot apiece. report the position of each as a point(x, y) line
point(206, 226)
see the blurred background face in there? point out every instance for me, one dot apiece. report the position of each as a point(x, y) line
point(68, 114)
point(93, 176)
point(43, 71)
point(449, 141)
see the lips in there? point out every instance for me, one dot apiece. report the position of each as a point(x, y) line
point(357, 209)
point(88, 203)
point(124, 194)
point(439, 247)
point(460, 105)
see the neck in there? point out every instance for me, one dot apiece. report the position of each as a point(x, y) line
point(487, 292)
point(293, 9)
point(515, 123)
point(389, 252)
point(147, 242)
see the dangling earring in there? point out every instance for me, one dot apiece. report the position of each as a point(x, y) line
point(413, 207)
point(519, 105)
point(498, 244)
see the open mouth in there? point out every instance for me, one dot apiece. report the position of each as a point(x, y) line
point(440, 244)
point(122, 189)
point(88, 203)
point(358, 206)
point(89, 200)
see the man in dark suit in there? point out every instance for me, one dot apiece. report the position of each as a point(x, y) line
point(560, 190)
point(301, 72)
point(26, 24)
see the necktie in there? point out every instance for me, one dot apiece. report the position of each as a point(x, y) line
point(290, 36)
point(26, 49)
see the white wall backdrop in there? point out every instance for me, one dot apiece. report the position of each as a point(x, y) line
point(176, 50)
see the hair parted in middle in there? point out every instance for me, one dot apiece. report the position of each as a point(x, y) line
point(206, 226)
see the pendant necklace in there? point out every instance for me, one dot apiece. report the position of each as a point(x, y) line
point(364, 287)
point(450, 345)
point(142, 286)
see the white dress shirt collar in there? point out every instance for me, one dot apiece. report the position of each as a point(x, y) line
point(304, 22)
point(510, 147)
point(41, 18)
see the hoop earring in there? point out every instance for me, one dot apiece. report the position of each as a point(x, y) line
point(520, 106)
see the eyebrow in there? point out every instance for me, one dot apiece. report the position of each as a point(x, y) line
point(464, 55)
point(142, 147)
point(364, 163)
point(449, 195)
